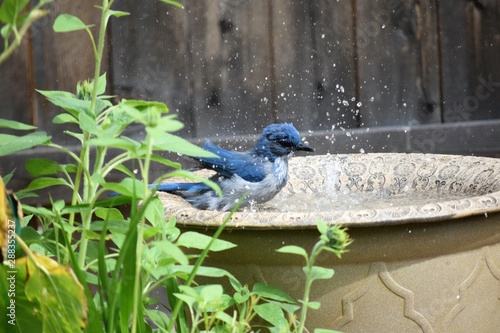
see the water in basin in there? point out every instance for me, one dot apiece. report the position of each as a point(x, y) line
point(346, 200)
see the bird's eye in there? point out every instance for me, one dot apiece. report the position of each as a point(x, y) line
point(286, 144)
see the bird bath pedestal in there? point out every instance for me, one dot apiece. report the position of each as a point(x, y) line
point(426, 230)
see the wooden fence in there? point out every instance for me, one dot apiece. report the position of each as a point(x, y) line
point(360, 75)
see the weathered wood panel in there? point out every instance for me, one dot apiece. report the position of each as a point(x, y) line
point(470, 47)
point(150, 56)
point(397, 55)
point(314, 69)
point(230, 66)
point(16, 87)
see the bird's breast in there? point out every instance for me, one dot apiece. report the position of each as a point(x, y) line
point(280, 171)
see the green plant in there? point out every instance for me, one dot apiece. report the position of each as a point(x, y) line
point(333, 239)
point(119, 260)
point(210, 307)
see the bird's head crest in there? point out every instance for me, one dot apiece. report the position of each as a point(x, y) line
point(279, 140)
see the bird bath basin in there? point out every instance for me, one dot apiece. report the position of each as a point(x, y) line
point(426, 230)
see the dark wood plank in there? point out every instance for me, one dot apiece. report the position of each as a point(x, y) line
point(16, 87)
point(231, 66)
point(334, 66)
point(313, 64)
point(470, 48)
point(150, 56)
point(398, 60)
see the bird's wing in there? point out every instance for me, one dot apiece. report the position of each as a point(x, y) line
point(229, 163)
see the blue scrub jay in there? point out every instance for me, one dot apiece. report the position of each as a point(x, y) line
point(257, 174)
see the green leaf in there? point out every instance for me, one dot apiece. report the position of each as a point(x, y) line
point(313, 305)
point(68, 22)
point(169, 142)
point(142, 106)
point(164, 250)
point(67, 101)
point(272, 313)
point(173, 3)
point(108, 213)
point(154, 212)
point(64, 118)
point(190, 300)
point(101, 84)
point(60, 297)
point(30, 235)
point(78, 136)
point(122, 142)
point(159, 318)
point(164, 161)
point(89, 234)
point(204, 271)
point(195, 240)
point(322, 273)
point(38, 211)
point(128, 187)
point(24, 320)
point(241, 298)
point(7, 177)
point(322, 226)
point(117, 13)
point(41, 167)
point(270, 292)
point(87, 123)
point(169, 124)
point(293, 249)
point(10, 10)
point(323, 330)
point(15, 125)
point(45, 182)
point(10, 143)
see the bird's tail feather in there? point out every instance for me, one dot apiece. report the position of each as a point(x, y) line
point(180, 187)
point(187, 189)
point(171, 187)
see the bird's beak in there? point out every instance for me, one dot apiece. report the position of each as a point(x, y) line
point(303, 147)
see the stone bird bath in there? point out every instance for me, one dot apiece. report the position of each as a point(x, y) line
point(426, 230)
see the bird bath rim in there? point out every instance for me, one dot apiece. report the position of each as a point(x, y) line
point(477, 178)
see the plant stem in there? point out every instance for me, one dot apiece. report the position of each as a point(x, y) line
point(88, 185)
point(305, 299)
point(140, 236)
point(100, 48)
